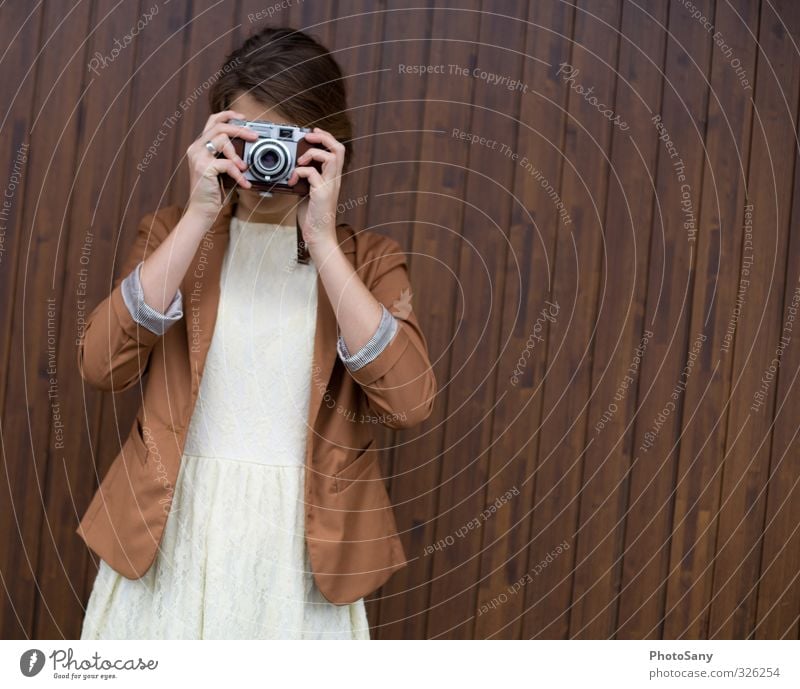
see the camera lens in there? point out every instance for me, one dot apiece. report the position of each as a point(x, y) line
point(269, 159)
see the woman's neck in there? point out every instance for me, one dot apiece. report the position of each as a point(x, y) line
point(281, 209)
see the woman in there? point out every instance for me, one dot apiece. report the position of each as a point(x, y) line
point(247, 501)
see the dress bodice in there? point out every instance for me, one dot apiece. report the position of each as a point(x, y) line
point(254, 392)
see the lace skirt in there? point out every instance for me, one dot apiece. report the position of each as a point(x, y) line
point(232, 564)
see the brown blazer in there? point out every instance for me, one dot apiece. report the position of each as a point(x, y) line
point(351, 531)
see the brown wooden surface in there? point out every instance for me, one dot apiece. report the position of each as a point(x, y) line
point(696, 537)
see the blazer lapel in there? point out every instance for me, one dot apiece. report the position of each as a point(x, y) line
point(201, 287)
point(325, 337)
point(324, 352)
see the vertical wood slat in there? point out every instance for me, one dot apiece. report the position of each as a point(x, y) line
point(21, 33)
point(577, 259)
point(87, 242)
point(34, 371)
point(731, 605)
point(696, 488)
point(673, 257)
point(719, 246)
point(534, 227)
point(725, 563)
point(778, 591)
point(470, 399)
point(439, 208)
point(634, 159)
point(620, 326)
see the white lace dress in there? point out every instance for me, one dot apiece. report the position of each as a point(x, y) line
point(233, 562)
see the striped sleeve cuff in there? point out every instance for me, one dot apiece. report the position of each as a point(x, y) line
point(381, 338)
point(144, 314)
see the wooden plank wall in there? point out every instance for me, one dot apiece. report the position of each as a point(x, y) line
point(605, 300)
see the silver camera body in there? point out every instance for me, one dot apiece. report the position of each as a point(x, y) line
point(273, 156)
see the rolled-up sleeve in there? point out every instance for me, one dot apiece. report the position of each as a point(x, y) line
point(383, 335)
point(144, 314)
point(113, 350)
point(395, 372)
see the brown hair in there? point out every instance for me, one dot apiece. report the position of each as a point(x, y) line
point(289, 70)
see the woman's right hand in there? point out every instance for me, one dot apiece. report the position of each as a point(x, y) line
point(205, 197)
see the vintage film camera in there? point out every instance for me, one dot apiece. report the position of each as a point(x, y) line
point(271, 159)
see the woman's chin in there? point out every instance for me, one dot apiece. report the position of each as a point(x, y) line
point(265, 199)
point(255, 202)
point(251, 197)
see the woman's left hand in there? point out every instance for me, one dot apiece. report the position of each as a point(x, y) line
point(317, 212)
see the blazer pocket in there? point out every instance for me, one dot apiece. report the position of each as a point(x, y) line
point(138, 444)
point(354, 470)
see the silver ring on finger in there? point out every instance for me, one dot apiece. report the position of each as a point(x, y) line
point(212, 149)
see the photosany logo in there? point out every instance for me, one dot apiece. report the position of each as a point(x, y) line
point(31, 662)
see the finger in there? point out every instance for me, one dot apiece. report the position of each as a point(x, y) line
point(326, 139)
point(319, 154)
point(222, 117)
point(331, 163)
point(224, 145)
point(219, 165)
point(230, 130)
point(309, 173)
point(230, 151)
